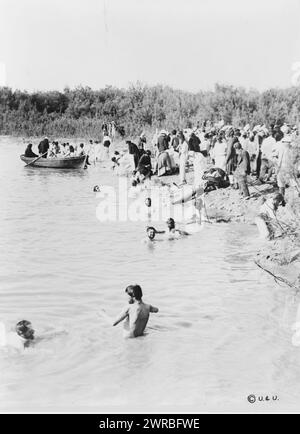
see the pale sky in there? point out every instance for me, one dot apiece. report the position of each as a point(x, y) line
point(187, 44)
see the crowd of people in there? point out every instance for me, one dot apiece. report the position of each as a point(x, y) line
point(226, 153)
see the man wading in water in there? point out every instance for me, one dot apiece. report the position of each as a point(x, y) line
point(136, 314)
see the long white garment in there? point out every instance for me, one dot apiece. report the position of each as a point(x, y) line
point(200, 165)
point(183, 157)
point(219, 154)
point(267, 147)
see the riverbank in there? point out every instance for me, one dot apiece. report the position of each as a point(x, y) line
point(279, 257)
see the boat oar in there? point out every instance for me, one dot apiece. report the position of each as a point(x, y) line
point(36, 159)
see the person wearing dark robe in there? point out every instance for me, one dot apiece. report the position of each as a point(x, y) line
point(134, 150)
point(43, 147)
point(145, 165)
point(194, 143)
point(231, 155)
point(174, 140)
point(29, 152)
point(162, 142)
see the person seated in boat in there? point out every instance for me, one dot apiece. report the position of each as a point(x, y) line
point(44, 147)
point(62, 149)
point(53, 150)
point(80, 150)
point(266, 221)
point(29, 152)
point(71, 152)
point(136, 315)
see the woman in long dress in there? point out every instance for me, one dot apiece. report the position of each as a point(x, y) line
point(220, 153)
point(183, 157)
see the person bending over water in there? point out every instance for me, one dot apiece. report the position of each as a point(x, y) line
point(136, 314)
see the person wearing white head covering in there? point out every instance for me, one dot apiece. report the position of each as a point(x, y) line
point(183, 157)
point(284, 177)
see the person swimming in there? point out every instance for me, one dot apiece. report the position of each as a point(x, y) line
point(26, 332)
point(173, 231)
point(151, 234)
point(136, 314)
point(24, 336)
point(21, 337)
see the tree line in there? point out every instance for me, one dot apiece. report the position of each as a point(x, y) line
point(82, 111)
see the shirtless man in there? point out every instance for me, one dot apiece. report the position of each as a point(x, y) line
point(136, 314)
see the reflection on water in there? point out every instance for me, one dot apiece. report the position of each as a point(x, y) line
point(223, 331)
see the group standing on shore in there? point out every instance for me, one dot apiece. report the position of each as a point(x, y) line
point(235, 153)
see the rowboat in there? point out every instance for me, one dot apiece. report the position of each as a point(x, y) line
point(56, 163)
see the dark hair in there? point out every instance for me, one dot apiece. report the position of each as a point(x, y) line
point(150, 228)
point(134, 183)
point(134, 291)
point(148, 202)
point(278, 136)
point(171, 222)
point(22, 327)
point(72, 148)
point(174, 132)
point(237, 145)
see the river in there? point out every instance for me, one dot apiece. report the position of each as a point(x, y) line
point(224, 330)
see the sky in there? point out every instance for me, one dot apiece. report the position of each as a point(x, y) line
point(186, 44)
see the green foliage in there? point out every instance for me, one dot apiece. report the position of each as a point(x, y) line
point(82, 111)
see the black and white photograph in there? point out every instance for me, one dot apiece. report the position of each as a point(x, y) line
point(150, 208)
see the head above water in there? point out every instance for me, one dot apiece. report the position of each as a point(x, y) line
point(25, 330)
point(151, 232)
point(134, 292)
point(148, 202)
point(96, 188)
point(171, 223)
